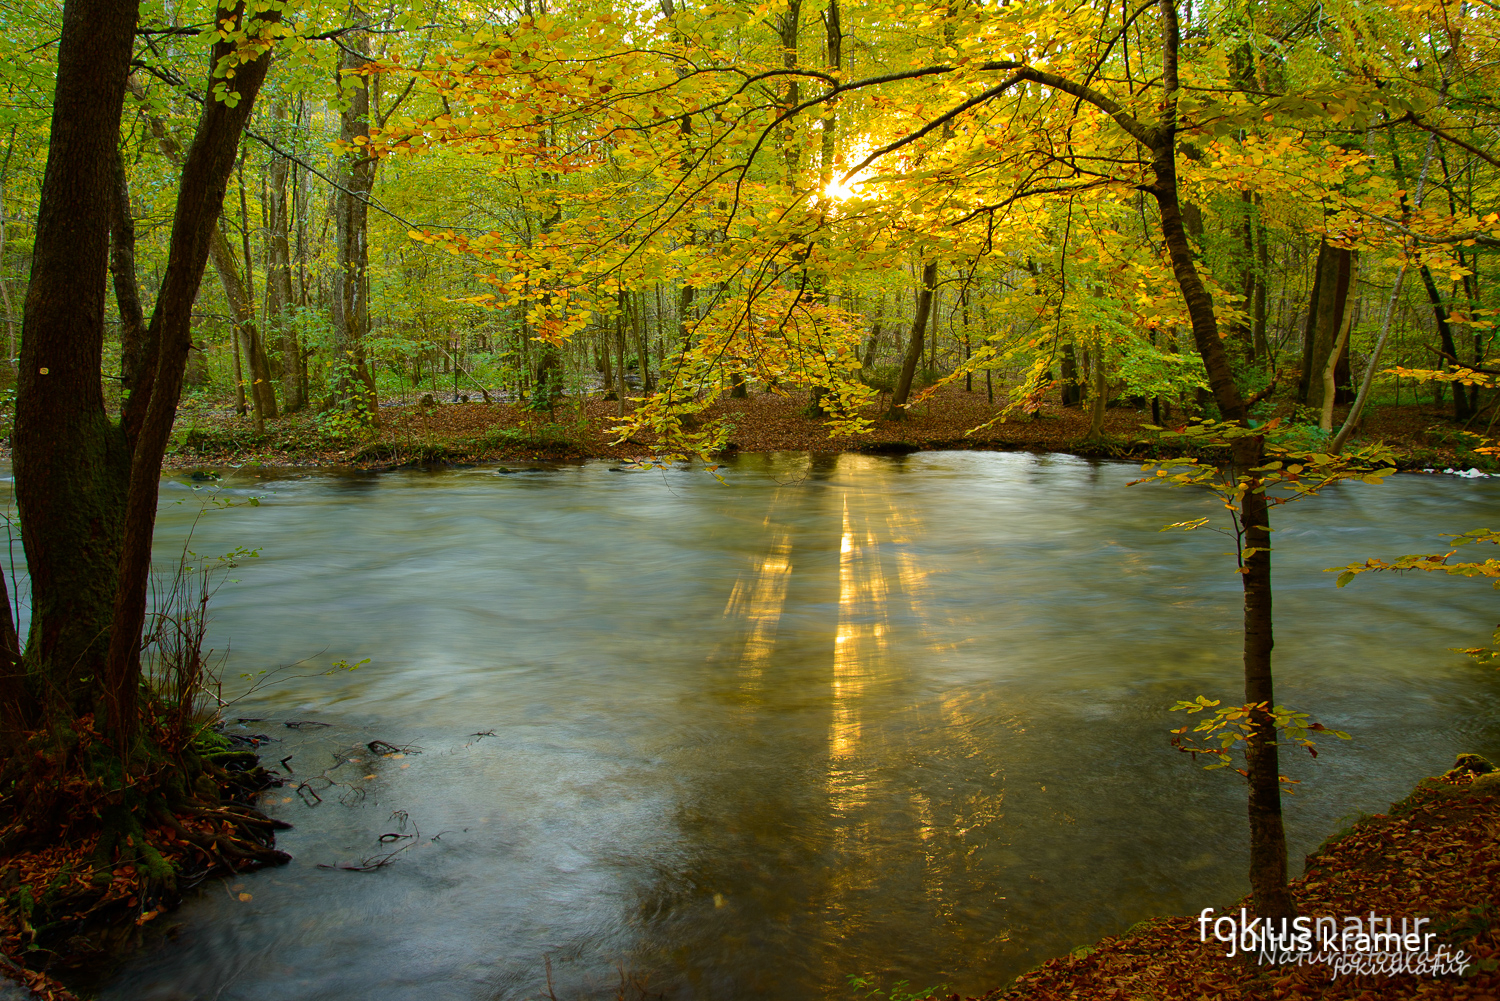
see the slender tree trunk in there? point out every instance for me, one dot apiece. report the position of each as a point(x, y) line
point(279, 299)
point(788, 26)
point(1072, 391)
point(1445, 337)
point(606, 366)
point(1262, 280)
point(243, 307)
point(262, 389)
point(637, 302)
point(354, 386)
point(1098, 391)
point(237, 347)
point(10, 312)
point(133, 345)
point(1246, 329)
point(897, 409)
point(1267, 835)
point(1268, 866)
point(620, 354)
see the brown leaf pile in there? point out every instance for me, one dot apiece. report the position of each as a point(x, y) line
point(1436, 855)
point(62, 876)
point(950, 418)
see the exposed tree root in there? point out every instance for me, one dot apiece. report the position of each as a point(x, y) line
point(98, 850)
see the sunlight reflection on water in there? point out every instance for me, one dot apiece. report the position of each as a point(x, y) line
point(839, 714)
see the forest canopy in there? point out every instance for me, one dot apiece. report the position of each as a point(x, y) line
point(538, 200)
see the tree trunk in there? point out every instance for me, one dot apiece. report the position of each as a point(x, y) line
point(1309, 332)
point(243, 308)
point(897, 410)
point(262, 389)
point(788, 25)
point(71, 461)
point(133, 346)
point(1267, 836)
point(1072, 392)
point(1245, 330)
point(279, 299)
point(606, 366)
point(354, 384)
point(1098, 392)
point(245, 337)
point(1337, 357)
point(200, 200)
point(1268, 868)
point(620, 354)
point(1262, 280)
point(1333, 297)
point(642, 347)
point(1445, 336)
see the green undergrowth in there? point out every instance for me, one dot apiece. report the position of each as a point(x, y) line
point(544, 439)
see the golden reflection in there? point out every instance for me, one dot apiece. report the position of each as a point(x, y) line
point(759, 597)
point(767, 598)
point(859, 644)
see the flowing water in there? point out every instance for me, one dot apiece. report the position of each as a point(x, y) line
point(834, 715)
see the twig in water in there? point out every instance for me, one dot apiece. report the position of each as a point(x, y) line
point(377, 861)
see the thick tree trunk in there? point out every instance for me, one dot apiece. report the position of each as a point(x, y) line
point(71, 461)
point(1309, 332)
point(897, 410)
point(354, 386)
point(1333, 294)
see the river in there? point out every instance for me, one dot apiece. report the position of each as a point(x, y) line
point(742, 739)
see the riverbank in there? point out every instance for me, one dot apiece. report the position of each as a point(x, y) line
point(1435, 854)
point(63, 919)
point(208, 433)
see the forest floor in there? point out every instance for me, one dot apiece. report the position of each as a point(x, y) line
point(209, 433)
point(1436, 854)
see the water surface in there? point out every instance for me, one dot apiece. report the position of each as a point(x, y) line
point(834, 715)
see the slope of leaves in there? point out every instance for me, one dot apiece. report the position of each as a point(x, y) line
point(1436, 854)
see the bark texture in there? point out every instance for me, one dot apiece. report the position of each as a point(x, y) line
point(205, 178)
point(71, 460)
point(354, 387)
point(914, 346)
